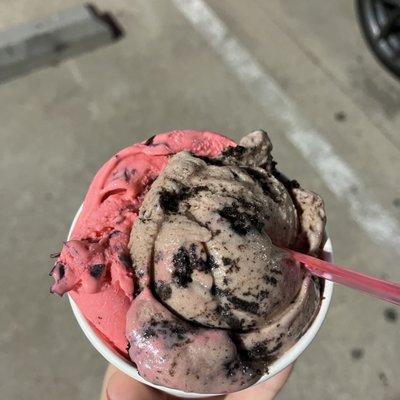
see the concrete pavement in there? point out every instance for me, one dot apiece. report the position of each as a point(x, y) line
point(60, 124)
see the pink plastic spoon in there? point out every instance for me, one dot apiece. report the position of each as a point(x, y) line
point(384, 290)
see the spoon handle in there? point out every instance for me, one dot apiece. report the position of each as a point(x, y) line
point(379, 288)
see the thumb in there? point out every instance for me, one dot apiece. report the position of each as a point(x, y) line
point(118, 386)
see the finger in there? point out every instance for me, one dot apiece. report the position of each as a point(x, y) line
point(110, 371)
point(118, 386)
point(264, 391)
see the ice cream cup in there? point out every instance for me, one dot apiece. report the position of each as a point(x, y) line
point(281, 363)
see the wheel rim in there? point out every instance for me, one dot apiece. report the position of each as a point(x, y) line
point(380, 22)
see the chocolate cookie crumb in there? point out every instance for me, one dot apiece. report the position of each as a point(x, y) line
point(61, 269)
point(271, 280)
point(226, 260)
point(164, 290)
point(276, 271)
point(169, 201)
point(149, 141)
point(235, 152)
point(183, 268)
point(241, 222)
point(148, 332)
point(96, 270)
point(126, 260)
point(249, 306)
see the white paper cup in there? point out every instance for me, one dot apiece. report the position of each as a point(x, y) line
point(281, 363)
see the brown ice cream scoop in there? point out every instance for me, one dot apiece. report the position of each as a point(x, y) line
point(207, 246)
point(214, 262)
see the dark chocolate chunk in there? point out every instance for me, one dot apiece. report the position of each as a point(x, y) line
point(209, 264)
point(96, 270)
point(169, 201)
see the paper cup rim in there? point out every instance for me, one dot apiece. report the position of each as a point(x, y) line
point(287, 358)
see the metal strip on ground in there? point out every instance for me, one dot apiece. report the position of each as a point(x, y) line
point(335, 172)
point(49, 40)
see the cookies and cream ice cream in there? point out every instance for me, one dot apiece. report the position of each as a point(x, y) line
point(177, 254)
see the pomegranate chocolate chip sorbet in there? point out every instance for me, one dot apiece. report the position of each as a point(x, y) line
point(176, 259)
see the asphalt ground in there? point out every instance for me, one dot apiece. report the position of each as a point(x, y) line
point(299, 70)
